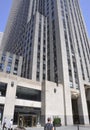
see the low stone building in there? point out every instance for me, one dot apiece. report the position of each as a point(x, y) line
point(29, 102)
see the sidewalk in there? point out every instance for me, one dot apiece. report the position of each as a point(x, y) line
point(81, 127)
point(73, 128)
point(63, 128)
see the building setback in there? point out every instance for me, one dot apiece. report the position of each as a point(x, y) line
point(51, 37)
point(35, 48)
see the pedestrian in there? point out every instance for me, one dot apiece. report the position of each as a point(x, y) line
point(10, 125)
point(48, 125)
point(4, 124)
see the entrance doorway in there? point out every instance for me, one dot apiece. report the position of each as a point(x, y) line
point(1, 112)
point(75, 111)
point(88, 104)
point(26, 116)
point(88, 100)
point(27, 120)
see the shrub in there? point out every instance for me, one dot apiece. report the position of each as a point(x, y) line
point(57, 121)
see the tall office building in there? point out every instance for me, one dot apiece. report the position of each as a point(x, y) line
point(16, 26)
point(52, 38)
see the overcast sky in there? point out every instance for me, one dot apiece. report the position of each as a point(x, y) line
point(5, 6)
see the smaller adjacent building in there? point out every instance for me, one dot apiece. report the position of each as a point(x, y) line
point(10, 63)
point(29, 102)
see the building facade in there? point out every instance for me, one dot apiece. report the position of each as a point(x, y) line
point(25, 100)
point(52, 38)
point(35, 49)
point(16, 21)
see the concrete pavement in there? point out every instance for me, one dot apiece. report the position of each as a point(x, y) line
point(63, 128)
point(81, 127)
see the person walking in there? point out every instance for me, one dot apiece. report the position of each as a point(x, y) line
point(10, 125)
point(4, 124)
point(48, 125)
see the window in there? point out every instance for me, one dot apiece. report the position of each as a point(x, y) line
point(15, 71)
point(43, 76)
point(71, 85)
point(1, 67)
point(8, 69)
point(44, 49)
point(38, 65)
point(28, 94)
point(3, 88)
point(10, 59)
point(16, 62)
point(39, 39)
point(53, 14)
point(44, 67)
point(37, 76)
point(3, 57)
point(44, 58)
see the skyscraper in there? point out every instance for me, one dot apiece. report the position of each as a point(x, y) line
point(52, 38)
point(15, 26)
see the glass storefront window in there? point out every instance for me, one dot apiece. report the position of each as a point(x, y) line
point(28, 94)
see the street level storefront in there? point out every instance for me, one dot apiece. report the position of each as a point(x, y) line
point(20, 99)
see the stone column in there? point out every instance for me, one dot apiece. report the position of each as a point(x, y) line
point(10, 101)
point(82, 108)
point(68, 106)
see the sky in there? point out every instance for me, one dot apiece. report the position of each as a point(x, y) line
point(5, 9)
